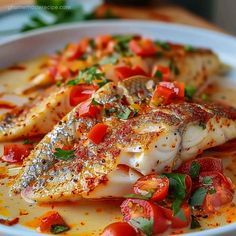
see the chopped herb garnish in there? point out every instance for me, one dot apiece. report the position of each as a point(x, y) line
point(124, 115)
point(158, 74)
point(176, 205)
point(94, 102)
point(27, 141)
point(198, 197)
point(108, 111)
point(145, 225)
point(58, 83)
point(180, 215)
point(64, 154)
point(174, 68)
point(211, 191)
point(204, 97)
point(177, 189)
point(207, 180)
point(57, 229)
point(202, 125)
point(144, 197)
point(194, 169)
point(189, 48)
point(92, 43)
point(194, 223)
point(122, 44)
point(163, 45)
point(88, 76)
point(189, 91)
point(109, 60)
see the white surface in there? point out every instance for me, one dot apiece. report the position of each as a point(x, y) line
point(48, 40)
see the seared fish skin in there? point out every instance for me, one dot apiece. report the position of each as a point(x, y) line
point(157, 141)
point(37, 118)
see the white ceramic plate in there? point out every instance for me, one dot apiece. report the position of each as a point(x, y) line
point(48, 40)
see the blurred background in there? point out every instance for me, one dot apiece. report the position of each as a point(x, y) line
point(19, 16)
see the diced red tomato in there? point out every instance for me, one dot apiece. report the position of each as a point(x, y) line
point(136, 208)
point(206, 164)
point(102, 41)
point(123, 72)
point(73, 52)
point(49, 219)
point(119, 229)
point(80, 93)
point(176, 221)
point(163, 70)
point(166, 92)
point(153, 183)
point(162, 95)
point(143, 47)
point(86, 109)
point(97, 133)
point(15, 153)
point(221, 190)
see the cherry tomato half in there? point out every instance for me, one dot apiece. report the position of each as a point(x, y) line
point(132, 209)
point(97, 133)
point(155, 184)
point(220, 190)
point(206, 164)
point(123, 72)
point(176, 221)
point(86, 109)
point(119, 229)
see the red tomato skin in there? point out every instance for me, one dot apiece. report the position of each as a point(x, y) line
point(86, 109)
point(80, 93)
point(49, 219)
point(164, 70)
point(102, 41)
point(73, 52)
point(206, 164)
point(223, 187)
point(119, 229)
point(97, 133)
point(123, 72)
point(143, 47)
point(161, 190)
point(150, 211)
point(175, 221)
point(15, 153)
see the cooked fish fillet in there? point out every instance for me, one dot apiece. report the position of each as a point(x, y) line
point(193, 68)
point(36, 118)
point(156, 141)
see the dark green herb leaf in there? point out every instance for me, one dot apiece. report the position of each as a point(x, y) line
point(64, 154)
point(211, 191)
point(122, 44)
point(176, 205)
point(125, 114)
point(27, 141)
point(177, 185)
point(57, 229)
point(194, 169)
point(189, 91)
point(189, 48)
point(174, 68)
point(180, 215)
point(204, 97)
point(138, 196)
point(92, 43)
point(158, 74)
point(58, 83)
point(94, 102)
point(198, 197)
point(163, 45)
point(207, 180)
point(145, 225)
point(194, 223)
point(109, 60)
